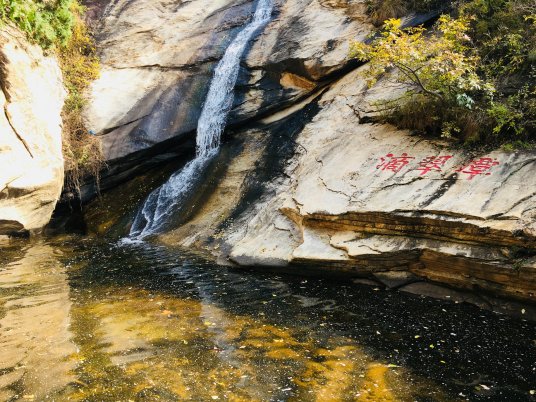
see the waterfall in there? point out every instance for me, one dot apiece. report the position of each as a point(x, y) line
point(162, 202)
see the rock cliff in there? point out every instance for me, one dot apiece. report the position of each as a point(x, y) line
point(31, 158)
point(307, 181)
point(368, 198)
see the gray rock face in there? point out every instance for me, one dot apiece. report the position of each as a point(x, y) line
point(31, 161)
point(158, 57)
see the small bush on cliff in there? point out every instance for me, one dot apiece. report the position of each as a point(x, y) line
point(438, 67)
point(57, 26)
point(471, 77)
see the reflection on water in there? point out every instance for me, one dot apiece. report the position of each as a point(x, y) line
point(96, 322)
point(35, 340)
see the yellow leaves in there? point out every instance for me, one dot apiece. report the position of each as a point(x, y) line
point(392, 24)
point(438, 65)
point(359, 50)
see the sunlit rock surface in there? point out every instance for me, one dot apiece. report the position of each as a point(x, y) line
point(31, 161)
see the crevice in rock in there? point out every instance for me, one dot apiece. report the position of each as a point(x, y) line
point(110, 129)
point(415, 213)
point(413, 180)
point(298, 204)
point(447, 184)
point(180, 67)
point(502, 215)
point(500, 184)
point(22, 140)
point(6, 187)
point(421, 226)
point(280, 229)
point(334, 191)
point(355, 111)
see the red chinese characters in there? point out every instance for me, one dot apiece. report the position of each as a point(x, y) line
point(433, 163)
point(394, 163)
point(477, 167)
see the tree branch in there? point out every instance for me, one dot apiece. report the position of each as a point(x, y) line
point(412, 75)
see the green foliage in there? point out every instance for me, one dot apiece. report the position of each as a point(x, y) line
point(472, 77)
point(438, 66)
point(504, 35)
point(49, 23)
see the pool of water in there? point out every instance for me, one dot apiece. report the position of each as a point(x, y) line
point(89, 321)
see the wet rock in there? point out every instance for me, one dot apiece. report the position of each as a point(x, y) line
point(395, 279)
point(365, 281)
point(442, 292)
point(31, 161)
point(485, 301)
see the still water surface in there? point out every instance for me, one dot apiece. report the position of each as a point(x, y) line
point(88, 321)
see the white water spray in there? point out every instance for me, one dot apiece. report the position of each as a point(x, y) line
point(162, 202)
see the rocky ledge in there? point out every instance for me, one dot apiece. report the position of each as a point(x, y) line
point(369, 199)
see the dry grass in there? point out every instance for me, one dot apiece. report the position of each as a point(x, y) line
point(80, 65)
point(82, 152)
point(381, 10)
point(429, 116)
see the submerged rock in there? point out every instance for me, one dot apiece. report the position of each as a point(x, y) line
point(31, 96)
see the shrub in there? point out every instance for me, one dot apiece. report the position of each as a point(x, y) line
point(471, 77)
point(438, 66)
point(80, 65)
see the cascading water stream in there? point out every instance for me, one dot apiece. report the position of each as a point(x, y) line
point(162, 202)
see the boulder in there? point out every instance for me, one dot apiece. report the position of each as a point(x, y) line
point(31, 161)
point(369, 198)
